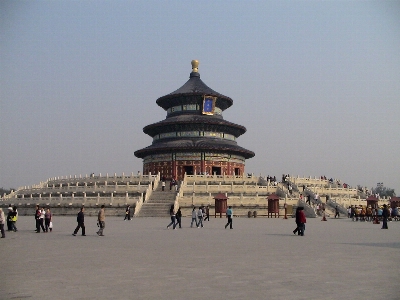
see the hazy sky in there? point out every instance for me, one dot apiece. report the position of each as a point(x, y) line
point(316, 83)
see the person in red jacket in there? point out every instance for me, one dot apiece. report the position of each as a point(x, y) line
point(302, 221)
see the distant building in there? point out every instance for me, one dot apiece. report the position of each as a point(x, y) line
point(194, 138)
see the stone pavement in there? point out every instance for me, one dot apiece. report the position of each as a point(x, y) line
point(259, 259)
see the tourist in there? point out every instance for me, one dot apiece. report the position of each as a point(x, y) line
point(396, 213)
point(128, 213)
point(336, 211)
point(308, 199)
point(393, 213)
point(194, 217)
point(379, 212)
point(207, 213)
point(37, 219)
point(356, 214)
point(200, 217)
point(173, 217)
point(81, 222)
point(41, 219)
point(171, 183)
point(318, 209)
point(8, 219)
point(349, 212)
point(362, 214)
point(316, 197)
point(368, 214)
point(101, 218)
point(302, 221)
point(353, 212)
point(179, 218)
point(229, 215)
point(2, 222)
point(163, 185)
point(48, 219)
point(385, 216)
point(14, 218)
point(297, 220)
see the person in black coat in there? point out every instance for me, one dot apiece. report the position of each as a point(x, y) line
point(385, 216)
point(37, 219)
point(9, 227)
point(81, 222)
point(298, 223)
point(178, 218)
point(128, 213)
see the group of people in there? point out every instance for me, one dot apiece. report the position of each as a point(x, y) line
point(101, 218)
point(198, 216)
point(202, 213)
point(172, 184)
point(44, 219)
point(176, 218)
point(368, 214)
point(11, 220)
point(272, 179)
point(300, 221)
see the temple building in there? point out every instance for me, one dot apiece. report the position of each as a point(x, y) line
point(194, 138)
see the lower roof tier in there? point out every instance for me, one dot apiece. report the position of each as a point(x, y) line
point(197, 144)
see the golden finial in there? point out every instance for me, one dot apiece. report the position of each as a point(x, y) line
point(195, 65)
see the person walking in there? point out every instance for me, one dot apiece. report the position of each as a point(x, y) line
point(173, 217)
point(385, 216)
point(2, 222)
point(37, 216)
point(200, 217)
point(179, 218)
point(8, 217)
point(194, 217)
point(308, 200)
point(336, 211)
point(128, 213)
point(41, 219)
point(207, 213)
point(14, 218)
point(302, 221)
point(48, 219)
point(81, 222)
point(229, 215)
point(163, 186)
point(316, 197)
point(297, 220)
point(176, 185)
point(101, 218)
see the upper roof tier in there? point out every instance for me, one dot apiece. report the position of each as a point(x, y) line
point(193, 87)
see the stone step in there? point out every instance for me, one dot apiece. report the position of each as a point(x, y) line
point(159, 203)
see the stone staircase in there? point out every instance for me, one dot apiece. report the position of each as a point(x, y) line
point(159, 203)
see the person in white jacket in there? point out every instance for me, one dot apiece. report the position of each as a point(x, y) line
point(2, 222)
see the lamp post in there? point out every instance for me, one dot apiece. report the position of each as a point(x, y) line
point(285, 206)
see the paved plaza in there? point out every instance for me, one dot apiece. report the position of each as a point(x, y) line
point(259, 259)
